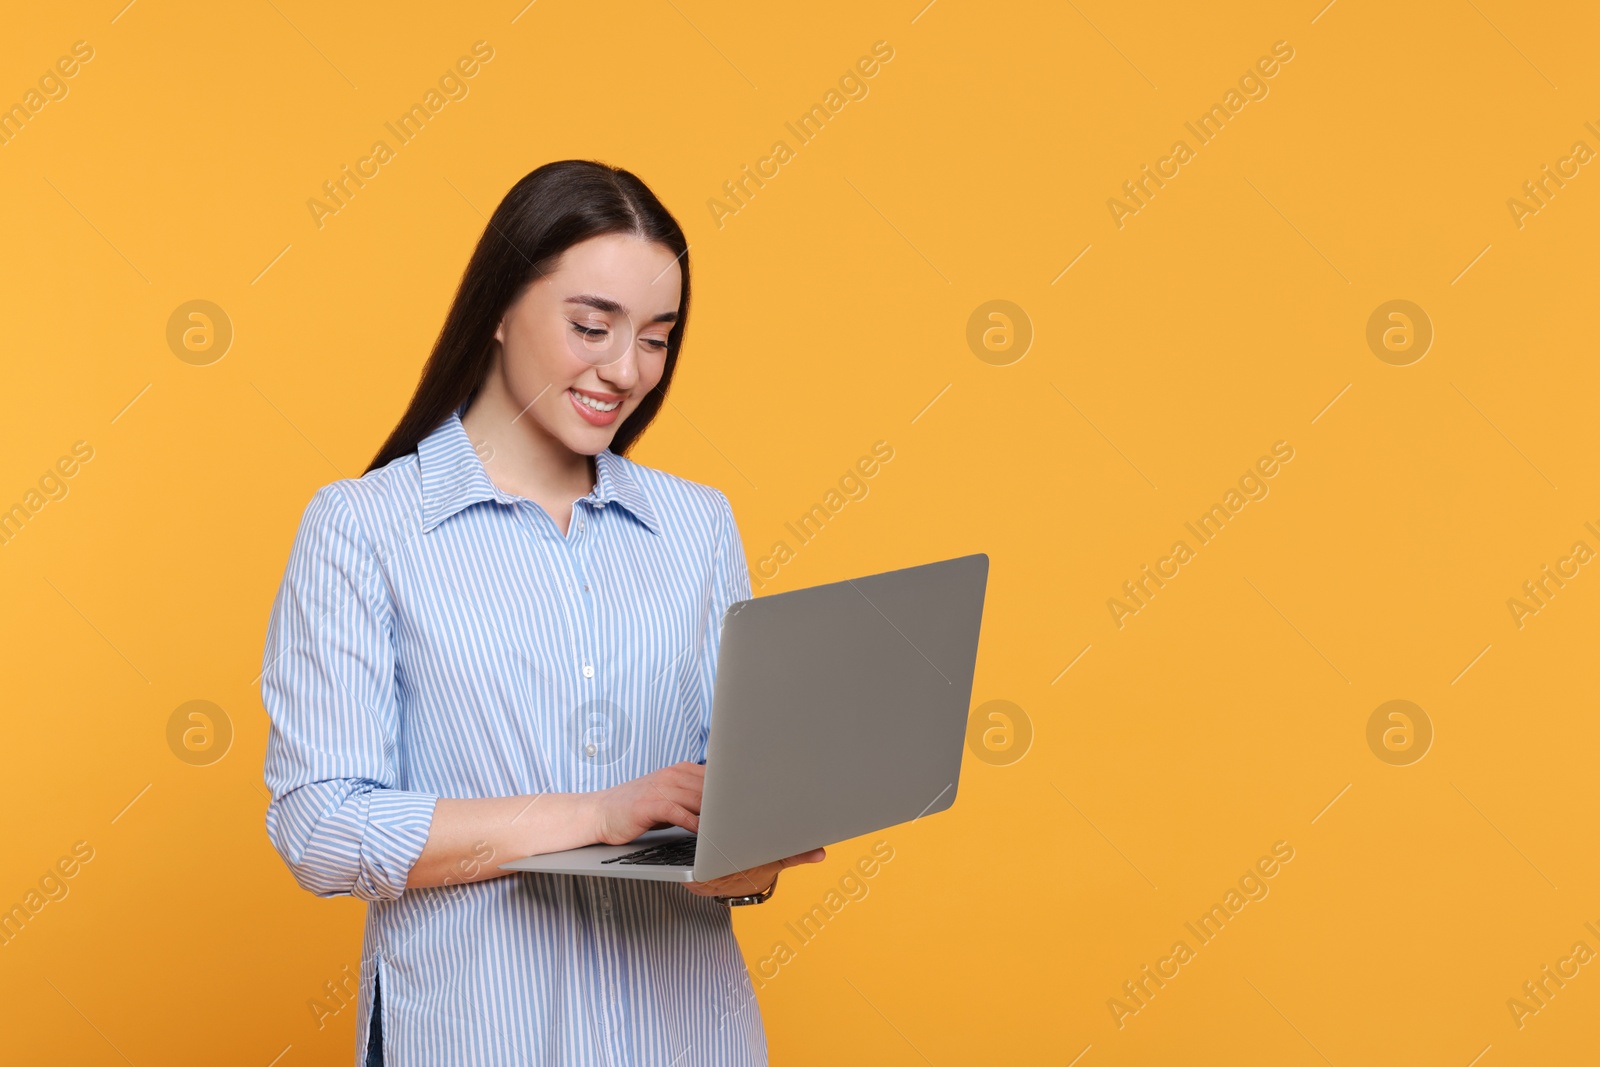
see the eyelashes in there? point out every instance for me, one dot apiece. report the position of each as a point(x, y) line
point(592, 333)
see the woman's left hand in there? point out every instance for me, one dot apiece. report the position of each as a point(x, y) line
point(755, 880)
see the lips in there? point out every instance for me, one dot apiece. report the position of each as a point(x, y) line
point(590, 414)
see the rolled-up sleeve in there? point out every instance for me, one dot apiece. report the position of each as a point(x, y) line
point(730, 582)
point(337, 816)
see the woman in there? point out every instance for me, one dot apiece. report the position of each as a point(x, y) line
point(500, 641)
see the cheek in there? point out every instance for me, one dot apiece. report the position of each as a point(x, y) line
point(536, 357)
point(525, 378)
point(654, 368)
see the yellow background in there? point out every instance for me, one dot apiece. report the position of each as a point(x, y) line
point(830, 312)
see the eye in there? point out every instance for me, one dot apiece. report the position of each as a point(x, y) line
point(656, 343)
point(585, 331)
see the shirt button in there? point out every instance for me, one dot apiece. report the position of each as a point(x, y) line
point(588, 671)
point(580, 526)
point(589, 749)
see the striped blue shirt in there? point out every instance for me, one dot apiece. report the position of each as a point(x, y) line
point(434, 637)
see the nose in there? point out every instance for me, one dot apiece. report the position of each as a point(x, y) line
point(621, 373)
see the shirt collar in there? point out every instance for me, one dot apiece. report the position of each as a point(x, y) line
point(453, 478)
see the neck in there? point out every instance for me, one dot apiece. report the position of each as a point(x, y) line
point(522, 458)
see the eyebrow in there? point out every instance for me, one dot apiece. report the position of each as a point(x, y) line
point(605, 303)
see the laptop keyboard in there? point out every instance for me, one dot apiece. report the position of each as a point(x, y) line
point(679, 853)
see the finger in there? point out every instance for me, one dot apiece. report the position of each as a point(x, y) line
point(670, 794)
point(816, 855)
point(684, 796)
point(689, 797)
point(678, 778)
point(694, 780)
point(676, 814)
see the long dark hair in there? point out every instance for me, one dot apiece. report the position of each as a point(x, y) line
point(548, 211)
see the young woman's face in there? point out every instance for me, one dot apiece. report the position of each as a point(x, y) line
point(584, 344)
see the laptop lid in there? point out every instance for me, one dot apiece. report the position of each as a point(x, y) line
point(838, 710)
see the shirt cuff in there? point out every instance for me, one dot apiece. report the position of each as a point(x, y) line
point(395, 833)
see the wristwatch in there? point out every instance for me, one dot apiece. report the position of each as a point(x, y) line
point(753, 898)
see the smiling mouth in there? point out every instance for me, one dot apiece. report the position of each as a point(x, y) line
point(594, 403)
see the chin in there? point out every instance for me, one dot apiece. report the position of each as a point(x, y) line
point(591, 443)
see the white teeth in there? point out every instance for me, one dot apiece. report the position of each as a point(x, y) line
point(593, 403)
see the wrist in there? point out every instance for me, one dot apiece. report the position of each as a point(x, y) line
point(552, 822)
point(588, 816)
point(760, 897)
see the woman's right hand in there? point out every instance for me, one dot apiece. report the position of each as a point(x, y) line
point(668, 797)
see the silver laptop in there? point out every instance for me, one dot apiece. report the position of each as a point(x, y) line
point(838, 710)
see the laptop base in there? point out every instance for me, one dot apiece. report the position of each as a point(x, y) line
point(590, 859)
